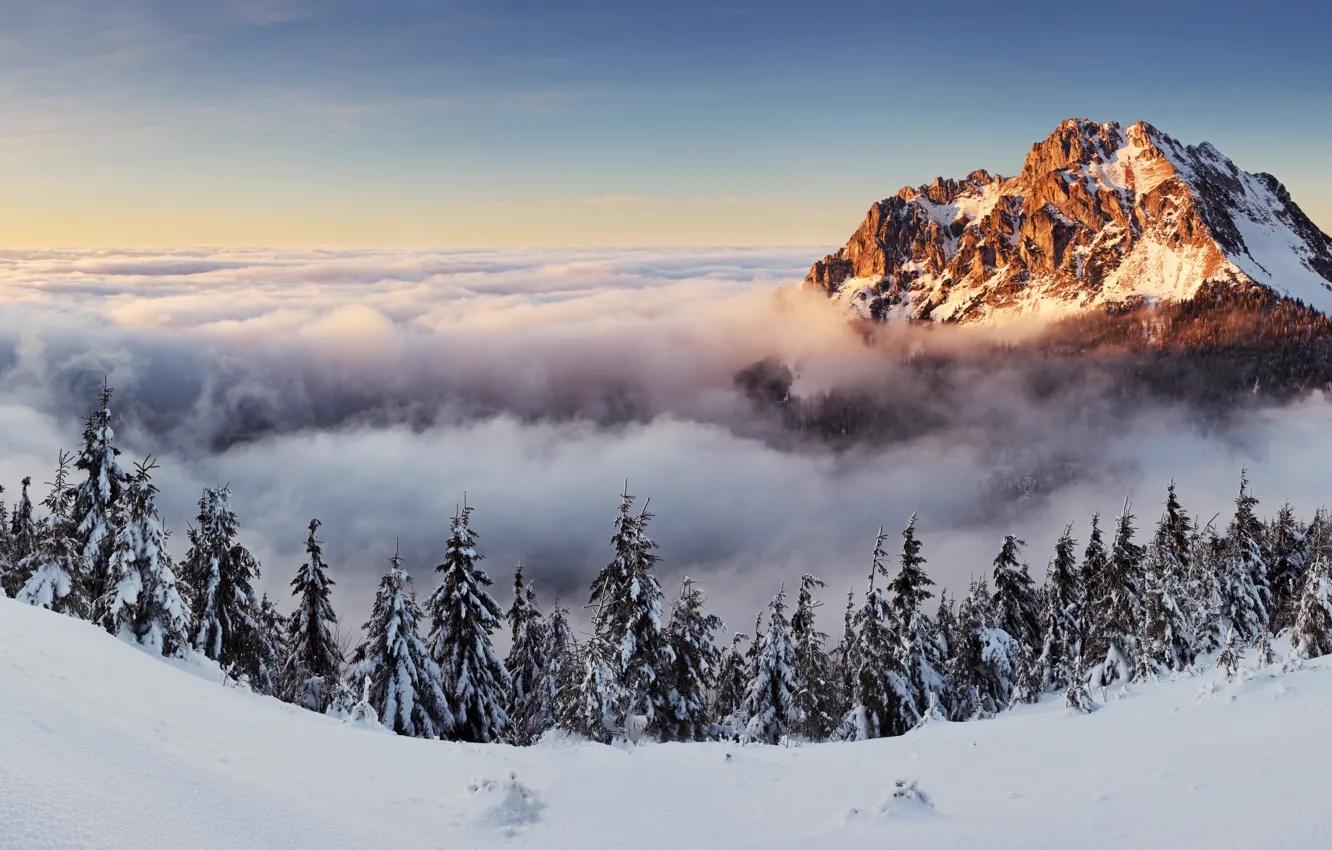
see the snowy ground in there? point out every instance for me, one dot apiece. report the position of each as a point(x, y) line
point(104, 746)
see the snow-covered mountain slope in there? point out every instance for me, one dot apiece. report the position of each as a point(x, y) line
point(1099, 215)
point(102, 745)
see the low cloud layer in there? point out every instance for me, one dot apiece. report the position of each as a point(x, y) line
point(371, 389)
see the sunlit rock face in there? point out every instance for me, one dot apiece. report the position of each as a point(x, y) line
point(1100, 215)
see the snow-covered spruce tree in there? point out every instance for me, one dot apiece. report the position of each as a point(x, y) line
point(1092, 573)
point(845, 661)
point(813, 668)
point(16, 549)
point(560, 660)
point(1165, 637)
point(272, 650)
point(732, 680)
point(1076, 696)
point(7, 559)
point(54, 573)
point(1063, 610)
point(22, 540)
point(143, 602)
point(918, 651)
point(22, 527)
point(1016, 607)
point(228, 626)
point(588, 703)
point(945, 633)
point(1118, 608)
point(405, 687)
point(882, 704)
point(528, 705)
point(1263, 655)
point(1312, 633)
point(1203, 590)
point(1228, 661)
point(1244, 587)
point(770, 700)
point(462, 616)
point(629, 617)
point(1286, 561)
point(988, 665)
point(314, 659)
point(95, 498)
point(697, 662)
point(1177, 530)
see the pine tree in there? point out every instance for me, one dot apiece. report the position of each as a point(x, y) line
point(405, 685)
point(529, 705)
point(882, 704)
point(272, 650)
point(629, 617)
point(561, 664)
point(228, 626)
point(846, 661)
point(55, 574)
point(732, 680)
point(813, 673)
point(96, 497)
point(587, 704)
point(697, 663)
point(1117, 617)
point(1263, 653)
point(315, 660)
point(1228, 661)
point(7, 559)
point(1063, 611)
point(917, 649)
point(1177, 530)
point(1286, 559)
point(1165, 642)
point(22, 528)
point(1077, 696)
point(945, 635)
point(770, 701)
point(462, 617)
point(1312, 633)
point(987, 667)
point(1203, 591)
point(1244, 589)
point(1093, 578)
point(143, 602)
point(1017, 609)
point(21, 542)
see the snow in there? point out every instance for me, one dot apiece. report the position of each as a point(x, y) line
point(1276, 256)
point(103, 745)
point(972, 204)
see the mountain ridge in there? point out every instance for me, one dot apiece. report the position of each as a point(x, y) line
point(1099, 215)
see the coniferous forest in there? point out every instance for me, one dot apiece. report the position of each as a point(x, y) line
point(1131, 600)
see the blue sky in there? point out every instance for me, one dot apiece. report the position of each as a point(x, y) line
point(405, 121)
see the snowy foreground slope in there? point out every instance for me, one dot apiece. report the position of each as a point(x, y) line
point(102, 745)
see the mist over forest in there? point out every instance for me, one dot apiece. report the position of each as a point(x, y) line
point(372, 389)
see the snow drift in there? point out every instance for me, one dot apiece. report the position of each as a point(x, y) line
point(102, 745)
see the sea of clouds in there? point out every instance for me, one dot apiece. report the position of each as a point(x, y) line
point(372, 389)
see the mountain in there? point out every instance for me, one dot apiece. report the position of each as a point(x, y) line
point(1100, 215)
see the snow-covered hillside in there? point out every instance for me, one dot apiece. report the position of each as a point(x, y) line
point(102, 745)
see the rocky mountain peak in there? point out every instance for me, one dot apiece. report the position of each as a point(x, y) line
point(1100, 214)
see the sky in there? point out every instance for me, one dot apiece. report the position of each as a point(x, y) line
point(346, 123)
